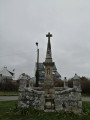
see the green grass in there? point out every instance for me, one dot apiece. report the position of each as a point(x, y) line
point(9, 111)
point(8, 93)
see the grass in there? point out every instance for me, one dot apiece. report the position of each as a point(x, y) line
point(9, 111)
point(8, 93)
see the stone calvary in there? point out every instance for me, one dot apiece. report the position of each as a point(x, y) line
point(49, 98)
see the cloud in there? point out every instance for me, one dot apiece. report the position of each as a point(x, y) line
point(23, 23)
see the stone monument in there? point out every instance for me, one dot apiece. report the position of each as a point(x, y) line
point(48, 82)
point(49, 98)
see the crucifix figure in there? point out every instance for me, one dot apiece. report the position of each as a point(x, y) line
point(49, 35)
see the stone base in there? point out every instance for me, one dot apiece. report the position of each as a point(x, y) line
point(66, 100)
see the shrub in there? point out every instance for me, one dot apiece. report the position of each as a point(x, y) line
point(85, 84)
point(9, 86)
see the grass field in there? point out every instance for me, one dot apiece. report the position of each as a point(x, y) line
point(9, 111)
point(8, 93)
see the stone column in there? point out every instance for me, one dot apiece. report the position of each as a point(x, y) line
point(65, 83)
point(22, 82)
point(77, 94)
point(48, 82)
point(76, 82)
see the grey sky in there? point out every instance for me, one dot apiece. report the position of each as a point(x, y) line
point(24, 22)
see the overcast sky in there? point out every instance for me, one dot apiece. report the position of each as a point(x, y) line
point(25, 22)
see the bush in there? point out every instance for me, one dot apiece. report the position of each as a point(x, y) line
point(9, 86)
point(58, 83)
point(85, 84)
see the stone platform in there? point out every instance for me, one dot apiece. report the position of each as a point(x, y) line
point(66, 100)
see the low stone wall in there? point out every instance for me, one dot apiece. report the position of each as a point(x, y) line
point(67, 100)
point(31, 99)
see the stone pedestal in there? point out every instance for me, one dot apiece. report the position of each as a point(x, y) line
point(48, 82)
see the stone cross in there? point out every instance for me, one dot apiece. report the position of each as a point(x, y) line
point(49, 35)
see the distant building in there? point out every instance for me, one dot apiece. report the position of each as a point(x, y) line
point(6, 75)
point(41, 70)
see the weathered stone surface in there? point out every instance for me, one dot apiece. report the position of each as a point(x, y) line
point(76, 82)
point(65, 83)
point(67, 100)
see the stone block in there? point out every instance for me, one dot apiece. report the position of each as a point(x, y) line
point(80, 104)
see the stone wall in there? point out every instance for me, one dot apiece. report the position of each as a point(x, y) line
point(68, 100)
point(31, 99)
point(63, 98)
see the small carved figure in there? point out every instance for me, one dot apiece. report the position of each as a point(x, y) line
point(48, 71)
